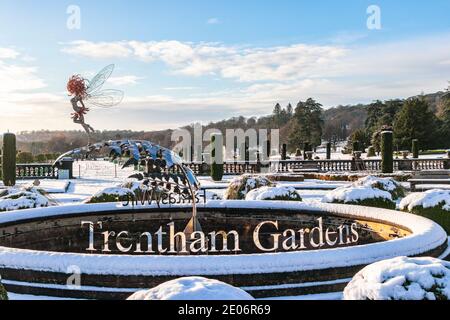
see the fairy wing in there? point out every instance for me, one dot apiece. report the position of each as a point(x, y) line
point(97, 82)
point(105, 98)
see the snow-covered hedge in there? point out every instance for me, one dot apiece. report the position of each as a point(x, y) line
point(25, 198)
point(385, 184)
point(3, 293)
point(401, 278)
point(432, 204)
point(240, 186)
point(115, 194)
point(360, 195)
point(192, 288)
point(274, 193)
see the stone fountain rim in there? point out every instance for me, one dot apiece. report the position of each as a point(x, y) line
point(426, 236)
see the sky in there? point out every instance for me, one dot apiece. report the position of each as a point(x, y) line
point(185, 61)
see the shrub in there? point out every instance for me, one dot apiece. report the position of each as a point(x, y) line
point(9, 159)
point(362, 196)
point(432, 204)
point(116, 194)
point(192, 288)
point(415, 148)
point(387, 155)
point(41, 158)
point(3, 293)
point(25, 198)
point(25, 157)
point(274, 193)
point(239, 187)
point(284, 152)
point(217, 157)
point(401, 278)
point(328, 151)
point(386, 184)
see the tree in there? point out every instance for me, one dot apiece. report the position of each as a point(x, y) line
point(361, 138)
point(445, 122)
point(289, 110)
point(25, 157)
point(306, 125)
point(415, 120)
point(381, 114)
point(374, 112)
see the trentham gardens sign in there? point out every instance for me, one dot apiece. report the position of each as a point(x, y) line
point(263, 237)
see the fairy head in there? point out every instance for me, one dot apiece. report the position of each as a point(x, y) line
point(77, 86)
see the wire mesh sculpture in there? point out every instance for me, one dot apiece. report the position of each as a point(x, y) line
point(88, 93)
point(164, 170)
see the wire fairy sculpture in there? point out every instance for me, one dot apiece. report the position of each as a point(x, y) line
point(89, 94)
point(164, 170)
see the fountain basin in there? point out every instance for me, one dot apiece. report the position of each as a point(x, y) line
point(45, 251)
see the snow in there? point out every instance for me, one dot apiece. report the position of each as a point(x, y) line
point(272, 193)
point(244, 184)
point(25, 198)
point(48, 185)
point(426, 236)
point(311, 297)
point(401, 278)
point(428, 199)
point(355, 194)
point(192, 288)
point(114, 191)
point(387, 184)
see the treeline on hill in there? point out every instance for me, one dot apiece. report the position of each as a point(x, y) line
point(413, 118)
point(425, 117)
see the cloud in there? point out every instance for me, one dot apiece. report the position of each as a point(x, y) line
point(241, 63)
point(8, 53)
point(15, 76)
point(213, 21)
point(124, 80)
point(260, 77)
point(101, 50)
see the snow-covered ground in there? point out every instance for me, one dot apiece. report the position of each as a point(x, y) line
point(94, 176)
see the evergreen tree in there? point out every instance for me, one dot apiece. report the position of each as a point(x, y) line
point(307, 124)
point(289, 110)
point(445, 123)
point(415, 120)
point(358, 136)
point(374, 113)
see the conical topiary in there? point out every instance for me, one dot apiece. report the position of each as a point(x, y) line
point(9, 159)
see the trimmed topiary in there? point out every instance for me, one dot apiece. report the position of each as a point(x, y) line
point(284, 152)
point(9, 159)
point(361, 196)
point(3, 293)
point(355, 146)
point(192, 288)
point(401, 278)
point(328, 151)
point(25, 198)
point(239, 187)
point(386, 184)
point(217, 157)
point(432, 204)
point(415, 148)
point(273, 193)
point(117, 194)
point(387, 152)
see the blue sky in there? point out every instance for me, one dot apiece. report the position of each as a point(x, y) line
point(185, 61)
